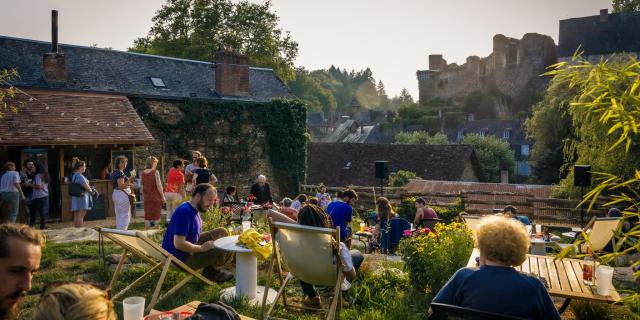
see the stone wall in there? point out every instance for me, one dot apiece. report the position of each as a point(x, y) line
point(236, 159)
point(506, 78)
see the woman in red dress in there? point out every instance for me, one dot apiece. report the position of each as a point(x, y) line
point(152, 192)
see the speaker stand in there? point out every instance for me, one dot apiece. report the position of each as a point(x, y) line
point(381, 188)
point(581, 207)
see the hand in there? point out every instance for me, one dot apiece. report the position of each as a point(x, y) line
point(207, 246)
point(22, 196)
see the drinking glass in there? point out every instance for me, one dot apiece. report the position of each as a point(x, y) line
point(246, 225)
point(133, 308)
point(538, 228)
point(362, 225)
point(604, 276)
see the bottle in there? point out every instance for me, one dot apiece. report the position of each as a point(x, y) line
point(588, 267)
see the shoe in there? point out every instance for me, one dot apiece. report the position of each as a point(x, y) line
point(312, 302)
point(215, 275)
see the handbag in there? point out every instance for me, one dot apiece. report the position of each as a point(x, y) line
point(76, 189)
point(132, 198)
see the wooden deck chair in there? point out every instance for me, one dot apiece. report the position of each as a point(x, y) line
point(600, 232)
point(136, 243)
point(311, 255)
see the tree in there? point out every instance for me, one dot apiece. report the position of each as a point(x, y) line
point(605, 109)
point(493, 153)
point(421, 137)
point(196, 29)
point(626, 5)
point(8, 91)
point(401, 178)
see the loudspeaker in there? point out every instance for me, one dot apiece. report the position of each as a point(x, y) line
point(382, 169)
point(582, 175)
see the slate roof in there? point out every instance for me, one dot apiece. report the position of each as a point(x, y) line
point(68, 118)
point(342, 164)
point(102, 70)
point(493, 127)
point(621, 33)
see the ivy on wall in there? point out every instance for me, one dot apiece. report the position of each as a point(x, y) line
point(281, 121)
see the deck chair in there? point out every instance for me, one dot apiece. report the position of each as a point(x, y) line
point(600, 231)
point(441, 311)
point(136, 243)
point(391, 233)
point(311, 255)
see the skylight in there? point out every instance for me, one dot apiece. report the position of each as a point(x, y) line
point(158, 82)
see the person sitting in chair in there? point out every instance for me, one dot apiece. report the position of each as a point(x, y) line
point(496, 286)
point(423, 212)
point(184, 238)
point(512, 212)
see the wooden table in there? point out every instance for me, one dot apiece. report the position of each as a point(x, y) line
point(563, 276)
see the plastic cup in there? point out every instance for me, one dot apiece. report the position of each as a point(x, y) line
point(538, 228)
point(133, 308)
point(362, 225)
point(604, 276)
point(246, 225)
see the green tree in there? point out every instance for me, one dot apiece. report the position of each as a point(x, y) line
point(8, 91)
point(493, 153)
point(196, 29)
point(626, 5)
point(606, 109)
point(313, 91)
point(401, 178)
point(421, 137)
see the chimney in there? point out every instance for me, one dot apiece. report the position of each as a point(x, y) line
point(504, 176)
point(604, 15)
point(232, 73)
point(54, 65)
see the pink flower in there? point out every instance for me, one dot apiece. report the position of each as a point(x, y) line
point(407, 233)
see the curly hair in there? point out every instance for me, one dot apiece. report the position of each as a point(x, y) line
point(314, 216)
point(74, 301)
point(502, 240)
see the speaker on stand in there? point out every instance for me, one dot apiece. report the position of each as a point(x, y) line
point(582, 178)
point(382, 172)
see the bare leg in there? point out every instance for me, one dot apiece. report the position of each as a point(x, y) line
point(78, 218)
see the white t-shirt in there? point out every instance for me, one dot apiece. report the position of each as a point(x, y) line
point(345, 257)
point(8, 181)
point(190, 167)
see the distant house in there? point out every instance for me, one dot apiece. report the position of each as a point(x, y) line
point(600, 36)
point(342, 164)
point(511, 131)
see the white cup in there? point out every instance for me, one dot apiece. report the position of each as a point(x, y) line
point(538, 228)
point(604, 276)
point(133, 308)
point(528, 227)
point(246, 225)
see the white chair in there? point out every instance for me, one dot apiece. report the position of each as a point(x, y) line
point(136, 243)
point(310, 254)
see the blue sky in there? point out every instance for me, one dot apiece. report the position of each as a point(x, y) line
point(393, 38)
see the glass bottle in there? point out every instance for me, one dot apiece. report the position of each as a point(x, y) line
point(588, 268)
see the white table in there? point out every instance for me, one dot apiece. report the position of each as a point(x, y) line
point(246, 272)
point(538, 247)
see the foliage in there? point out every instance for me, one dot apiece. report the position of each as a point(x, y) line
point(493, 153)
point(586, 310)
point(195, 29)
point(421, 137)
point(407, 208)
point(626, 5)
point(7, 91)
point(422, 114)
point(433, 258)
point(607, 107)
point(401, 178)
point(286, 144)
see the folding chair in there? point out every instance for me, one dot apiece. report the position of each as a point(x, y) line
point(136, 243)
point(441, 311)
point(600, 232)
point(311, 255)
point(391, 233)
point(236, 210)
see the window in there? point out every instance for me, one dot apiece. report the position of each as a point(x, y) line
point(524, 150)
point(460, 135)
point(484, 132)
point(158, 82)
point(506, 134)
point(522, 168)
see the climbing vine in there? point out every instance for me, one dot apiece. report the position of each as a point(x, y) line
point(234, 126)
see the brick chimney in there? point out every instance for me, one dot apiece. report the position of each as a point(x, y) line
point(604, 15)
point(54, 64)
point(232, 73)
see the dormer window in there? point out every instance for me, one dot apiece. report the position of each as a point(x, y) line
point(506, 134)
point(158, 82)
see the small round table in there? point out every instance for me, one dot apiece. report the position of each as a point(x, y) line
point(246, 272)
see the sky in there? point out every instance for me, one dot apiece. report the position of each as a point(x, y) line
point(392, 37)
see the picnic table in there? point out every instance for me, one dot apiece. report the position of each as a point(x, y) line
point(564, 278)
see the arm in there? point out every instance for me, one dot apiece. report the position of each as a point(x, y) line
point(194, 178)
point(213, 178)
point(123, 185)
point(159, 185)
point(17, 184)
point(279, 217)
point(181, 243)
point(418, 218)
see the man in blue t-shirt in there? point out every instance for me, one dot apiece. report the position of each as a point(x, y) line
point(341, 212)
point(512, 212)
point(184, 238)
point(496, 286)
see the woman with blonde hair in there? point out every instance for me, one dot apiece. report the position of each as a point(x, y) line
point(496, 286)
point(121, 193)
point(74, 301)
point(80, 204)
point(152, 192)
point(384, 212)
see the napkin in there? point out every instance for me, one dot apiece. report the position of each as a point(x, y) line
point(251, 239)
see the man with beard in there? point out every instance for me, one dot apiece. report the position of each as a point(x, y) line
point(185, 240)
point(19, 258)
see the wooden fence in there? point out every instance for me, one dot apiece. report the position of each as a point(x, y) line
point(557, 212)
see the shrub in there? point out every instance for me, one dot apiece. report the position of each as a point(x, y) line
point(585, 310)
point(432, 258)
point(401, 178)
